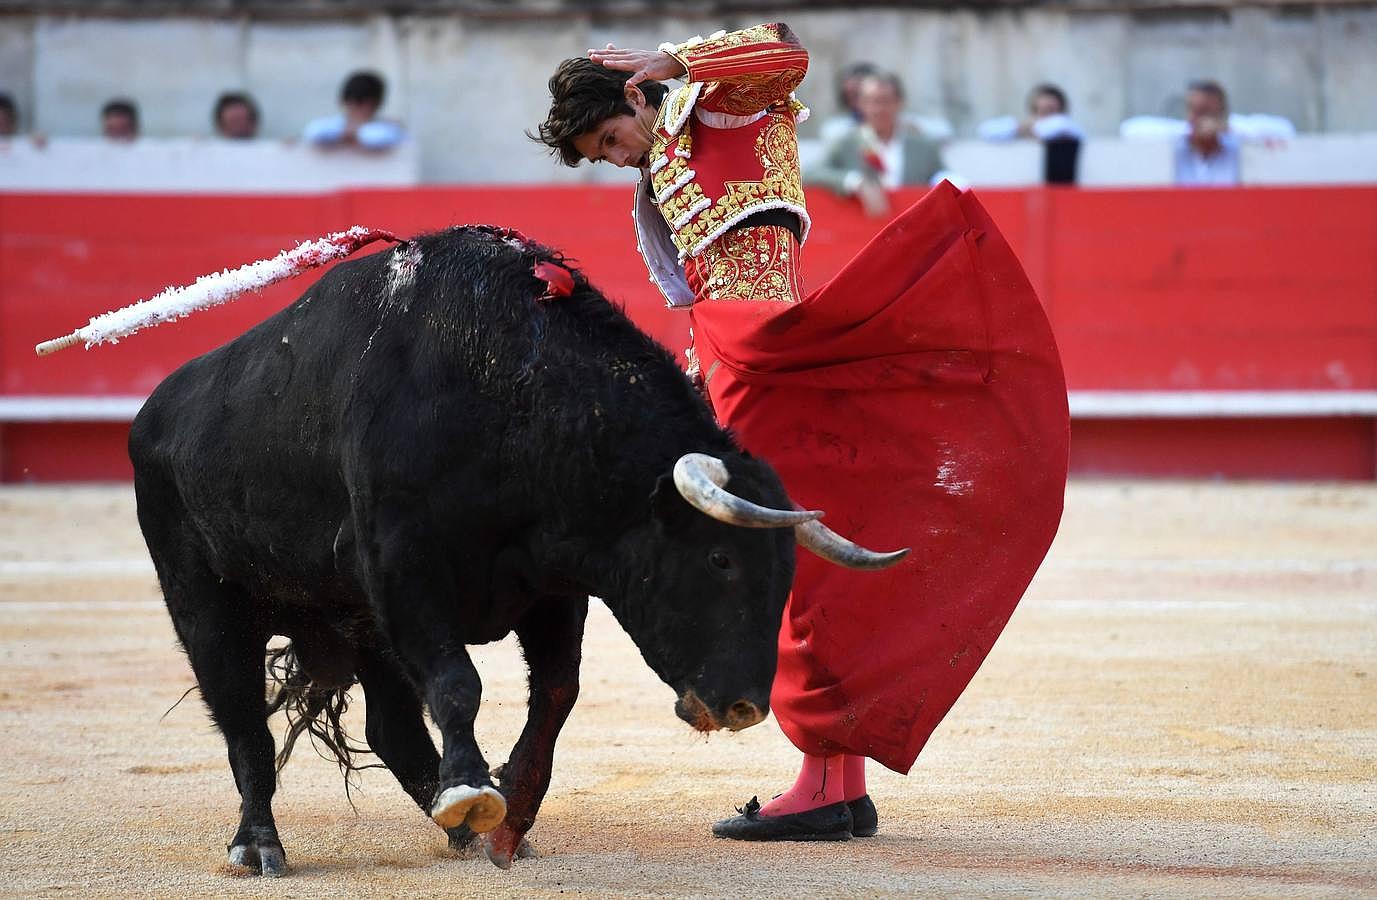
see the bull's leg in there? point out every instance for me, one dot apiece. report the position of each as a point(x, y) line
point(465, 794)
point(409, 586)
point(397, 733)
point(551, 640)
point(226, 653)
point(396, 729)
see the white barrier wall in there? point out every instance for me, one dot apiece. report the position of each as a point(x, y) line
point(1102, 163)
point(1313, 159)
point(199, 166)
point(1110, 162)
point(982, 164)
point(1116, 163)
point(211, 166)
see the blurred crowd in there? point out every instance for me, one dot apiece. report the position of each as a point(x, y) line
point(872, 146)
point(876, 145)
point(234, 116)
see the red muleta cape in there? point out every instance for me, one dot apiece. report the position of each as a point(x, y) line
point(917, 398)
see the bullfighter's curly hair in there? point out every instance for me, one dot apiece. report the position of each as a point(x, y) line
point(582, 95)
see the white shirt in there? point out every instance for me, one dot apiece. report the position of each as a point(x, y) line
point(1005, 128)
point(1245, 127)
point(1057, 125)
point(1220, 169)
point(376, 134)
point(892, 155)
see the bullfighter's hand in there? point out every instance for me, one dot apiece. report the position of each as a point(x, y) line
point(644, 65)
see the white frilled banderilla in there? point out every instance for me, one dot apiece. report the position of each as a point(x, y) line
point(213, 290)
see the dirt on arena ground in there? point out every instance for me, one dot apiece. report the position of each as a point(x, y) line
point(1185, 704)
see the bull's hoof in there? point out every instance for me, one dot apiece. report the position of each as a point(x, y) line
point(268, 860)
point(504, 845)
point(480, 808)
point(467, 845)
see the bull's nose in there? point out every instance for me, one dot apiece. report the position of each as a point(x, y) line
point(695, 712)
point(743, 714)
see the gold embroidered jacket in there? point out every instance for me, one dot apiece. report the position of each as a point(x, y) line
point(725, 147)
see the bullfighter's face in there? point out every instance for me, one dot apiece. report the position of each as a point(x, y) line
point(623, 140)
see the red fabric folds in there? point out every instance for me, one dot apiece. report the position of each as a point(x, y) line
point(919, 400)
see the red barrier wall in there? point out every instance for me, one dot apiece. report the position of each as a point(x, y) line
point(1147, 290)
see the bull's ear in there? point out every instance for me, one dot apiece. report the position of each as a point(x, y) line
point(669, 507)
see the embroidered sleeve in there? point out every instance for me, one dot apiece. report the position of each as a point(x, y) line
point(743, 71)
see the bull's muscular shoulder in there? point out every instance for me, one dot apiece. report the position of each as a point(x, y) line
point(452, 323)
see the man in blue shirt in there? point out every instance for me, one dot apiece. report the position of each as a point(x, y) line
point(1207, 155)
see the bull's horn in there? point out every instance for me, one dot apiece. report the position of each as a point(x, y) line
point(701, 480)
point(834, 548)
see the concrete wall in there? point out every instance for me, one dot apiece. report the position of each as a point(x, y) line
point(469, 85)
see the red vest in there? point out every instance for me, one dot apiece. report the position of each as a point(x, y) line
point(710, 170)
point(725, 147)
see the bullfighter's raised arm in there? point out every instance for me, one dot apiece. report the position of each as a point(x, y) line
point(746, 70)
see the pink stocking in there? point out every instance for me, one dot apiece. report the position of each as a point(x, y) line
point(820, 783)
point(853, 777)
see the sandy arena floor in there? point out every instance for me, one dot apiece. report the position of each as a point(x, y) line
point(1184, 705)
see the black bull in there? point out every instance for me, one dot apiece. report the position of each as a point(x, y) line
point(421, 454)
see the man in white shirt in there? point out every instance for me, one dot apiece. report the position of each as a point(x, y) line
point(1047, 121)
point(358, 126)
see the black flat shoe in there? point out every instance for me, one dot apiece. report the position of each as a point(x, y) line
point(826, 823)
point(865, 821)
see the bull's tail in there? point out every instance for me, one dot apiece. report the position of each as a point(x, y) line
point(311, 710)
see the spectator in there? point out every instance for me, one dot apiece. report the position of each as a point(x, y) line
point(848, 113)
point(1044, 102)
point(9, 117)
point(236, 117)
point(936, 128)
point(1049, 122)
point(1208, 153)
point(358, 125)
point(9, 124)
point(886, 151)
point(119, 120)
point(1047, 118)
point(1208, 139)
point(1247, 127)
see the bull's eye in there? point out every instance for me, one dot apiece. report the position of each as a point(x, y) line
point(720, 560)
